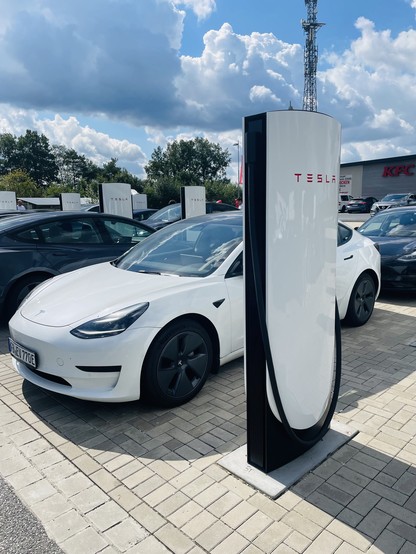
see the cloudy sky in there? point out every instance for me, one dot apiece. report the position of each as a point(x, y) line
point(116, 78)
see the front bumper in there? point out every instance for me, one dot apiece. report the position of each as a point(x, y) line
point(399, 276)
point(106, 370)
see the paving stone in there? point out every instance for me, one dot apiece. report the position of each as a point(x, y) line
point(148, 517)
point(87, 541)
point(174, 539)
point(271, 537)
point(214, 536)
point(387, 543)
point(22, 478)
point(198, 524)
point(364, 502)
point(66, 525)
point(126, 534)
point(302, 524)
point(107, 515)
point(89, 499)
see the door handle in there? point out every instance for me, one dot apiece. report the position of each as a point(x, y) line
point(349, 257)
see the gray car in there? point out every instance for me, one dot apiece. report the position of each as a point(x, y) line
point(38, 246)
point(395, 200)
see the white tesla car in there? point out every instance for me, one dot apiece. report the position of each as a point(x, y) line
point(156, 321)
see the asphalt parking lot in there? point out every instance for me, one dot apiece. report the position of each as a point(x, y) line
point(129, 478)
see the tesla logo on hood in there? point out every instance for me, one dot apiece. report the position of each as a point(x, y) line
point(39, 313)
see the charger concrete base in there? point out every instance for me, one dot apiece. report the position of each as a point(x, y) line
point(278, 481)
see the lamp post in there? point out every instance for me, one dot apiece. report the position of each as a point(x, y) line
point(238, 165)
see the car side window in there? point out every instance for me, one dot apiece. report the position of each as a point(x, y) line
point(123, 232)
point(70, 231)
point(27, 235)
point(344, 234)
point(236, 270)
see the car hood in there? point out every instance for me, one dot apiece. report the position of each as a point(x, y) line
point(97, 291)
point(394, 247)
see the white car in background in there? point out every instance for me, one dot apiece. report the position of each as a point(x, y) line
point(343, 200)
point(156, 321)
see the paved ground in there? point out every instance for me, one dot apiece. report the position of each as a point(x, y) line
point(127, 478)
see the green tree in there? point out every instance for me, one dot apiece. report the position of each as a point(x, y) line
point(8, 153)
point(111, 173)
point(161, 192)
point(20, 182)
point(189, 162)
point(226, 192)
point(73, 168)
point(35, 156)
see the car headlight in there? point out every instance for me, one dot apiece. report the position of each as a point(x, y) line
point(111, 324)
point(409, 253)
point(408, 257)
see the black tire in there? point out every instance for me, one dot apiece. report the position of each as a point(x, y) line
point(20, 290)
point(177, 364)
point(362, 300)
point(343, 210)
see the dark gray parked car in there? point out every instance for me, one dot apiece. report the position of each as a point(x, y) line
point(170, 214)
point(38, 246)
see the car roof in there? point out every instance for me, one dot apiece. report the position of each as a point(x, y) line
point(230, 218)
point(30, 219)
point(400, 209)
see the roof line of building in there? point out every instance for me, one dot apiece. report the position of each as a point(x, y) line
point(380, 160)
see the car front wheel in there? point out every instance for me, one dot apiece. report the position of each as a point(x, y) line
point(362, 300)
point(177, 364)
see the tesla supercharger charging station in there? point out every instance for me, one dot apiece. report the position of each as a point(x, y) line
point(292, 348)
point(70, 201)
point(115, 198)
point(192, 201)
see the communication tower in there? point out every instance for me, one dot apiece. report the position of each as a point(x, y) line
point(310, 26)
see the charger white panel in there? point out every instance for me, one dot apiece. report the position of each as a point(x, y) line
point(302, 174)
point(70, 201)
point(193, 201)
point(115, 198)
point(7, 200)
point(139, 201)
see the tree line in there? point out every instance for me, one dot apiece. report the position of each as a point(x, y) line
point(31, 166)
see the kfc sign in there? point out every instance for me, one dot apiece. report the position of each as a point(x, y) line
point(396, 170)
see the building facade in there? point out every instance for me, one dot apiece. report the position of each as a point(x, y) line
point(379, 177)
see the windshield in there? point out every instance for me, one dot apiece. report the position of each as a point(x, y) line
point(167, 214)
point(390, 197)
point(388, 224)
point(185, 248)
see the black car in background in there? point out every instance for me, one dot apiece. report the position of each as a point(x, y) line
point(142, 214)
point(38, 246)
point(394, 230)
point(172, 212)
point(360, 205)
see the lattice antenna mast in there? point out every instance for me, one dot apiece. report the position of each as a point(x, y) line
point(311, 26)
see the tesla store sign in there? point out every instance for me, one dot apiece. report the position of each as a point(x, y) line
point(396, 170)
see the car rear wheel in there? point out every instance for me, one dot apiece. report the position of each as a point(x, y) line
point(362, 300)
point(177, 364)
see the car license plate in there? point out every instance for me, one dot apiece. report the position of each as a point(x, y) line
point(22, 354)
